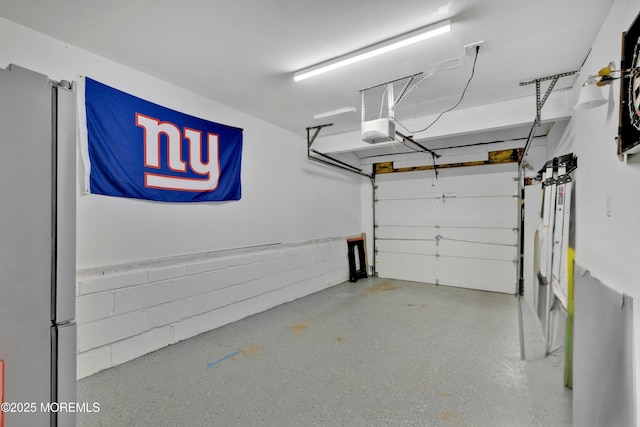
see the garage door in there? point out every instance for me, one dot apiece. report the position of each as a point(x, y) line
point(459, 230)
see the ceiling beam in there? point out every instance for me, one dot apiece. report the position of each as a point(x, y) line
point(483, 118)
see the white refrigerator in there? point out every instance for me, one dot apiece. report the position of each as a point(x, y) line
point(37, 249)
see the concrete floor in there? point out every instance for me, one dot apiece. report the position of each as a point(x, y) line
point(373, 353)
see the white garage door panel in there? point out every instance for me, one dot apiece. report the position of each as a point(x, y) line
point(420, 247)
point(474, 250)
point(485, 181)
point(399, 232)
point(479, 184)
point(505, 236)
point(494, 276)
point(458, 231)
point(447, 248)
point(403, 211)
point(395, 187)
point(461, 212)
point(477, 212)
point(415, 268)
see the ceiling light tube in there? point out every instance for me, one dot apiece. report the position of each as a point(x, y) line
point(334, 113)
point(389, 45)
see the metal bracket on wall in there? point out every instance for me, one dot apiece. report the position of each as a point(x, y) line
point(326, 159)
point(540, 102)
point(549, 181)
point(521, 192)
point(311, 139)
point(570, 161)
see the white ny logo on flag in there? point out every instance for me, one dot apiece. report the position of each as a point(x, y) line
point(210, 170)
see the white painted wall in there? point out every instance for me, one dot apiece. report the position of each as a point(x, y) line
point(125, 312)
point(285, 198)
point(137, 289)
point(608, 246)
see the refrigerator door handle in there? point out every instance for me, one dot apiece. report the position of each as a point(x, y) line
point(64, 288)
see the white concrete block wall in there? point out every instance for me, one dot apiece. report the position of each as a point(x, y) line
point(127, 311)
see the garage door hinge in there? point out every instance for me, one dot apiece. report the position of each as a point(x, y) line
point(437, 255)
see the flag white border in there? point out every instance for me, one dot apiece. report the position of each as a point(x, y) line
point(83, 135)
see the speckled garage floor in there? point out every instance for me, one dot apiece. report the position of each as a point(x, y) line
point(373, 353)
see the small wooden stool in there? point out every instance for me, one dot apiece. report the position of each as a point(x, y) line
point(361, 273)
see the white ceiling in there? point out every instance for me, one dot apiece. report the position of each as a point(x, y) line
point(243, 53)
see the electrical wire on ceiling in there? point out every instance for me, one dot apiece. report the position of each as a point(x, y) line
point(436, 68)
point(464, 91)
point(408, 88)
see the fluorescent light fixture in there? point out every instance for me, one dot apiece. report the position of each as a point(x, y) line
point(389, 45)
point(334, 113)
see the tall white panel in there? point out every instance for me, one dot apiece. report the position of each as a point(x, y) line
point(25, 242)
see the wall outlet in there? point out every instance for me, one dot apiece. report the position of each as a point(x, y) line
point(470, 49)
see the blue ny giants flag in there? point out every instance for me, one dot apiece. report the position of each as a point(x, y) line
point(134, 148)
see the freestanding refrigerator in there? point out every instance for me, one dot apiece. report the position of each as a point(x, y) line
point(37, 249)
